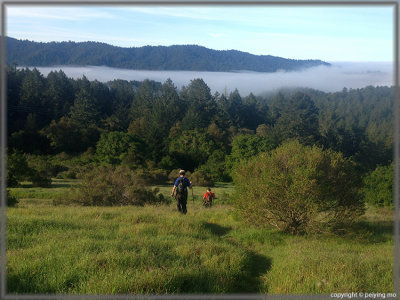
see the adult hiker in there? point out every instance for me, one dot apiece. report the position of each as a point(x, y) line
point(208, 197)
point(180, 187)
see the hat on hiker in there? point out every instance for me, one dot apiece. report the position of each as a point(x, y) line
point(182, 172)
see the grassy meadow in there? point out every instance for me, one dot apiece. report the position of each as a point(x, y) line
point(156, 250)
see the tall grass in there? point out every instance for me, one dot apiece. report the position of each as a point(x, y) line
point(154, 249)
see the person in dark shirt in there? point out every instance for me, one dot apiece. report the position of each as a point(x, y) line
point(180, 191)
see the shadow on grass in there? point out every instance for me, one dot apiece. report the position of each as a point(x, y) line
point(60, 185)
point(256, 265)
point(27, 282)
point(369, 232)
point(247, 280)
point(53, 185)
point(216, 229)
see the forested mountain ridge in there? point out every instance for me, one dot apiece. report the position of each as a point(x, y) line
point(176, 57)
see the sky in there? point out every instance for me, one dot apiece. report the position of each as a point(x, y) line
point(330, 33)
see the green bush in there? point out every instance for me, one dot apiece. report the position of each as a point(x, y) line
point(201, 178)
point(42, 170)
point(17, 168)
point(158, 176)
point(11, 200)
point(174, 174)
point(168, 162)
point(45, 165)
point(298, 188)
point(245, 146)
point(150, 177)
point(378, 186)
point(70, 174)
point(104, 186)
point(112, 147)
point(40, 179)
point(216, 167)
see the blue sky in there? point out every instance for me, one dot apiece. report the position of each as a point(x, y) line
point(337, 33)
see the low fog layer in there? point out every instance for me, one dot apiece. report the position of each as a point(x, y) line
point(327, 79)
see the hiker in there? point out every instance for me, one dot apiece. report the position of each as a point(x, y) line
point(208, 197)
point(180, 186)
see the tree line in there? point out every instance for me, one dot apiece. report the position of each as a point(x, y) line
point(154, 126)
point(59, 114)
point(176, 57)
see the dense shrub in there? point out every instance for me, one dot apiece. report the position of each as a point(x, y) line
point(42, 169)
point(174, 174)
point(245, 146)
point(298, 189)
point(104, 186)
point(40, 178)
point(216, 167)
point(168, 162)
point(70, 174)
point(201, 178)
point(192, 148)
point(17, 168)
point(378, 186)
point(149, 177)
point(158, 176)
point(112, 147)
point(11, 200)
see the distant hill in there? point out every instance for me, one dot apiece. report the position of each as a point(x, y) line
point(177, 57)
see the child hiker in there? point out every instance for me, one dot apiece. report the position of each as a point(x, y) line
point(208, 197)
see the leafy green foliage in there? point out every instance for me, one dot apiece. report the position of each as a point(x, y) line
point(17, 168)
point(298, 188)
point(12, 200)
point(84, 112)
point(245, 146)
point(202, 178)
point(40, 179)
point(174, 174)
point(104, 186)
point(216, 167)
point(192, 148)
point(113, 146)
point(147, 177)
point(298, 119)
point(378, 186)
point(185, 128)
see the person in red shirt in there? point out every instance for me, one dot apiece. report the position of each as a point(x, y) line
point(208, 197)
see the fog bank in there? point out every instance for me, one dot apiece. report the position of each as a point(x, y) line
point(327, 79)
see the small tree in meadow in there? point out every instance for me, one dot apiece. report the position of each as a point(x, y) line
point(17, 168)
point(378, 186)
point(11, 199)
point(298, 189)
point(104, 186)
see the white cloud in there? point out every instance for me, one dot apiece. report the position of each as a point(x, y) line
point(328, 79)
point(197, 13)
point(57, 13)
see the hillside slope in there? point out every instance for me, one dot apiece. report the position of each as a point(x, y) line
point(177, 57)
